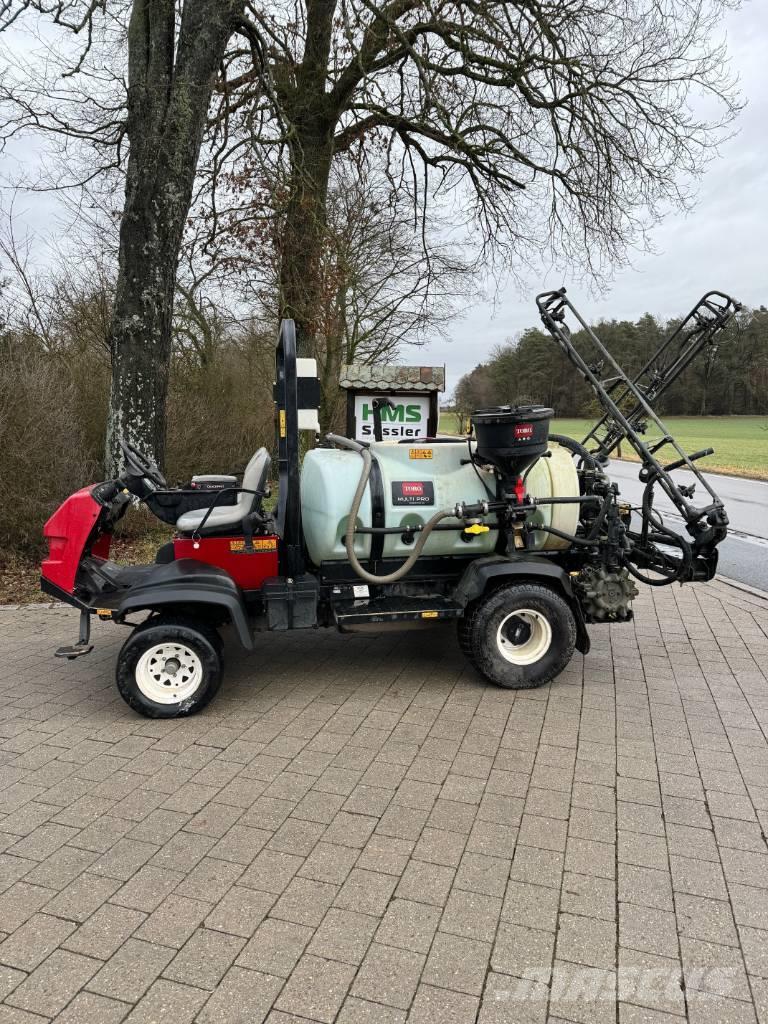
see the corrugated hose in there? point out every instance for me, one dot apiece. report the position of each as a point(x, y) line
point(349, 539)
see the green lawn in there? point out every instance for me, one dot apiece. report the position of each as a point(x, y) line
point(740, 442)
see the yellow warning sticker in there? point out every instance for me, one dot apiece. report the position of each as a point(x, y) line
point(420, 453)
point(429, 615)
point(282, 423)
point(259, 544)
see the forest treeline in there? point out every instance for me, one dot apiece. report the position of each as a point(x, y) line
point(730, 378)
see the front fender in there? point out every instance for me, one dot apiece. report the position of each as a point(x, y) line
point(486, 571)
point(187, 581)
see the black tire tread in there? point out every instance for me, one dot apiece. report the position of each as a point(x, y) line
point(464, 631)
point(169, 622)
point(474, 641)
point(171, 618)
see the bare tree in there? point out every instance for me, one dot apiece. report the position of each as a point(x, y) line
point(473, 391)
point(548, 124)
point(384, 282)
point(161, 116)
point(554, 124)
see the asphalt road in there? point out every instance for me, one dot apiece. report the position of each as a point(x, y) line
point(744, 555)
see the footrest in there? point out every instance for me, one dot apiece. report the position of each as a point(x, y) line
point(394, 609)
point(75, 651)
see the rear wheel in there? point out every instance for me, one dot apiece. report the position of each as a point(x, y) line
point(169, 668)
point(519, 636)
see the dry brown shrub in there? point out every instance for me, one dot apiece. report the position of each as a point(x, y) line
point(44, 453)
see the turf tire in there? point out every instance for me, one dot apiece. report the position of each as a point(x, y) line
point(199, 637)
point(479, 630)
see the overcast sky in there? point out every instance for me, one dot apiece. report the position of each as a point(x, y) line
point(722, 244)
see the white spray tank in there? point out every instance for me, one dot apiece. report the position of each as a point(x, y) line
point(408, 485)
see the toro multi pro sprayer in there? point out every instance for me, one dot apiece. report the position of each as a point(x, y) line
point(516, 533)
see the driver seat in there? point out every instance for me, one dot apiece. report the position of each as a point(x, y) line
point(223, 517)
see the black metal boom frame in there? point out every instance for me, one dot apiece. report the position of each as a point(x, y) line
point(627, 411)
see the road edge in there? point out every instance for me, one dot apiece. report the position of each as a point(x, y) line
point(745, 587)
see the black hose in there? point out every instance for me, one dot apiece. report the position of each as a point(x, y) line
point(473, 464)
point(572, 538)
point(680, 569)
point(576, 448)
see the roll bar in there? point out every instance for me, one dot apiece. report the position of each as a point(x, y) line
point(287, 431)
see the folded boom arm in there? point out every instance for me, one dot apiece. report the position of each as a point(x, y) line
point(627, 404)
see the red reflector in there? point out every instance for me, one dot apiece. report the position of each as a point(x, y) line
point(523, 431)
point(520, 491)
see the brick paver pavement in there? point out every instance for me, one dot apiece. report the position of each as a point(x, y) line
point(360, 831)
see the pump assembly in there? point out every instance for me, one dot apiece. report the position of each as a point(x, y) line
point(515, 532)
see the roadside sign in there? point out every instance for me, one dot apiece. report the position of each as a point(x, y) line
point(408, 419)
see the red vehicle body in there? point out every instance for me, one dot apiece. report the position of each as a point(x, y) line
point(67, 533)
point(79, 529)
point(248, 570)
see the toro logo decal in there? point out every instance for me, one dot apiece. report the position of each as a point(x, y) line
point(413, 492)
point(523, 431)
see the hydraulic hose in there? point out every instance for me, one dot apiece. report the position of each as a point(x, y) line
point(349, 539)
point(577, 449)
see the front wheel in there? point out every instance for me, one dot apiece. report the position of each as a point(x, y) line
point(519, 636)
point(169, 669)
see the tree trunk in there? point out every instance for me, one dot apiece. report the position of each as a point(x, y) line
point(141, 332)
point(301, 247)
point(330, 393)
point(169, 91)
point(313, 119)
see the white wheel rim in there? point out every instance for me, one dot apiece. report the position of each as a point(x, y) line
point(524, 636)
point(169, 673)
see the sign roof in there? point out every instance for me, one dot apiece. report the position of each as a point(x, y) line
point(383, 377)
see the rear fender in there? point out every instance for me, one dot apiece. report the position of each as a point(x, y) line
point(188, 582)
point(485, 573)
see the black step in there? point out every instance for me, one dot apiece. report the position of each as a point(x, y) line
point(395, 609)
point(75, 651)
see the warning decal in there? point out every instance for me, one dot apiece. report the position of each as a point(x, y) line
point(259, 544)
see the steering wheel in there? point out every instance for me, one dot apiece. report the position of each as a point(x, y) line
point(142, 466)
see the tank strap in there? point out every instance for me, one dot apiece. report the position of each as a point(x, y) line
point(378, 514)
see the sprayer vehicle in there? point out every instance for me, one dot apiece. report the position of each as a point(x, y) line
point(516, 533)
